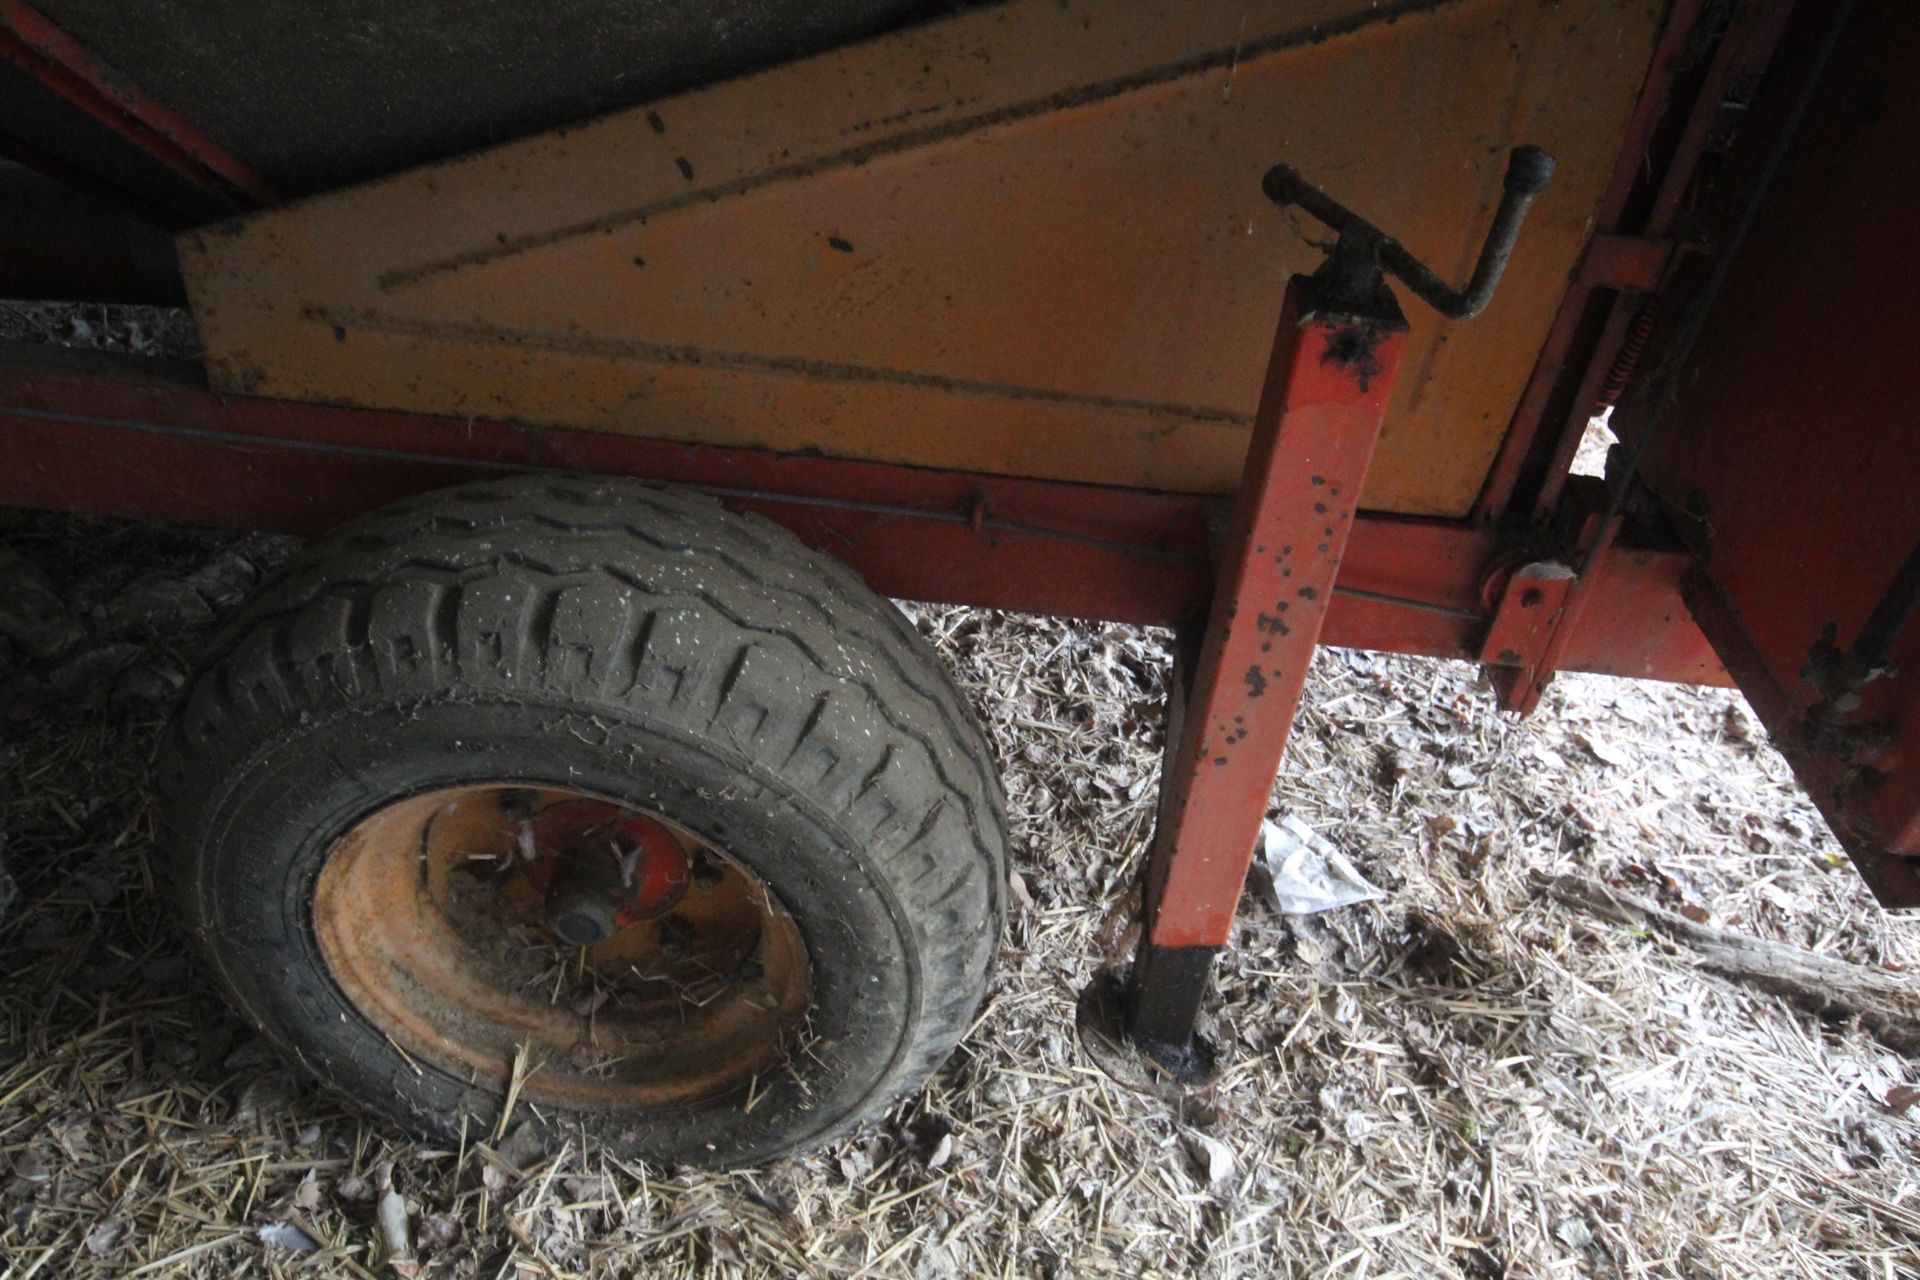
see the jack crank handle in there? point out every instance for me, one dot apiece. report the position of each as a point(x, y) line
point(1528, 171)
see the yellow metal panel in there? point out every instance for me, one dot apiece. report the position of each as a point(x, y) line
point(1030, 240)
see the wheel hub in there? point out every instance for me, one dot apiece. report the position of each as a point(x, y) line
point(629, 963)
point(603, 867)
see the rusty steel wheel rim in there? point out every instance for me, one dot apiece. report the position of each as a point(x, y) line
point(621, 961)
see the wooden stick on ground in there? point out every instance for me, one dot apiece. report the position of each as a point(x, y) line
point(1886, 1004)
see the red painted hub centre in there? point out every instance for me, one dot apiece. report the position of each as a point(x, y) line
point(603, 868)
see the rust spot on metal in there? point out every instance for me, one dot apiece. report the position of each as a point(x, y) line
point(1256, 682)
point(1355, 350)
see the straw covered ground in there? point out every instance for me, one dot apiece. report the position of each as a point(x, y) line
point(1463, 1079)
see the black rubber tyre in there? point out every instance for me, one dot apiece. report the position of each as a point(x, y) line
point(642, 644)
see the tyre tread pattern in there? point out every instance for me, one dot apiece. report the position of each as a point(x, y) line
point(620, 596)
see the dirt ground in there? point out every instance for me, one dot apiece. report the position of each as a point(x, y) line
point(1462, 1079)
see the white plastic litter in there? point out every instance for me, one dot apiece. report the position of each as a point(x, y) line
point(1301, 874)
point(288, 1236)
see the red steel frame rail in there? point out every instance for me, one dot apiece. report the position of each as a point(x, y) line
point(69, 70)
point(1781, 431)
point(1746, 46)
point(124, 435)
point(1595, 341)
point(1633, 253)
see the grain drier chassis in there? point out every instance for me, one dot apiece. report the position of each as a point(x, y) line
point(980, 305)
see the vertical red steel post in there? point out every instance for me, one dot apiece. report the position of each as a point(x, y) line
point(1327, 385)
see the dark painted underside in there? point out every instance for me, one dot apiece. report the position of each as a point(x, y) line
point(321, 93)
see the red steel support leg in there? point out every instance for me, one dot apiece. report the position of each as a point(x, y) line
point(1326, 391)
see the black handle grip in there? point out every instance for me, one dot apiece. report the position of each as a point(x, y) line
point(1528, 171)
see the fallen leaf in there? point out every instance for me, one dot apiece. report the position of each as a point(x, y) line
point(103, 1239)
point(307, 1194)
point(1902, 1096)
point(1603, 750)
point(727, 1246)
point(31, 1166)
point(1212, 1158)
point(439, 1231)
point(394, 1233)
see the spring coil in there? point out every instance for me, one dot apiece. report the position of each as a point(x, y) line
point(1632, 347)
